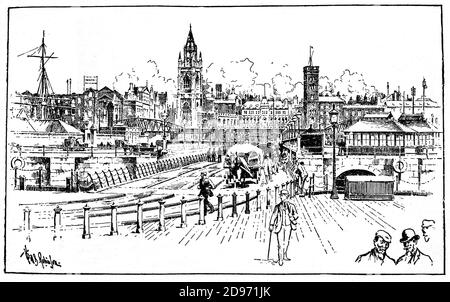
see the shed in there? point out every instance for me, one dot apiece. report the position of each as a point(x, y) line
point(369, 188)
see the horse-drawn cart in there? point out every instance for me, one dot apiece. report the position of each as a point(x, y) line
point(243, 162)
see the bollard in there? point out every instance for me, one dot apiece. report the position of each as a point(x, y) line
point(275, 194)
point(219, 207)
point(183, 213)
point(162, 221)
point(57, 223)
point(247, 202)
point(139, 218)
point(27, 223)
point(267, 197)
point(114, 229)
point(234, 201)
point(258, 202)
point(86, 223)
point(201, 208)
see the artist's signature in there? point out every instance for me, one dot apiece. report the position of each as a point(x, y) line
point(39, 259)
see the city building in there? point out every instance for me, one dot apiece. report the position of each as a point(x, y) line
point(382, 134)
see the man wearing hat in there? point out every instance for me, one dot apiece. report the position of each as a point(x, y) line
point(206, 186)
point(283, 221)
point(412, 255)
point(378, 254)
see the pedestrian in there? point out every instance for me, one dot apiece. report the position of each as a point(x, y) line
point(378, 254)
point(412, 256)
point(428, 229)
point(282, 223)
point(302, 177)
point(267, 169)
point(206, 187)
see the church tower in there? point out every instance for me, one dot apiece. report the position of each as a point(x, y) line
point(311, 93)
point(189, 82)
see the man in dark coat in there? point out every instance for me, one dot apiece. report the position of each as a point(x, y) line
point(412, 256)
point(283, 222)
point(378, 254)
point(206, 186)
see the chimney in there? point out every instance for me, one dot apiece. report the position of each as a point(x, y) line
point(70, 86)
point(387, 89)
point(131, 86)
point(67, 86)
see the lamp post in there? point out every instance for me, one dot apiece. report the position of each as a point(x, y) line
point(334, 121)
point(164, 116)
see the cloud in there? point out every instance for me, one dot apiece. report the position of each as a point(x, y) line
point(239, 74)
point(351, 84)
point(148, 71)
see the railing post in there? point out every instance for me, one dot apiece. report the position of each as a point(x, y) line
point(247, 202)
point(219, 207)
point(92, 151)
point(234, 202)
point(162, 221)
point(277, 188)
point(114, 228)
point(201, 208)
point(43, 150)
point(267, 197)
point(140, 217)
point(86, 223)
point(57, 223)
point(258, 202)
point(183, 213)
point(27, 223)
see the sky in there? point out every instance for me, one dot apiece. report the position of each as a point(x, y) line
point(241, 46)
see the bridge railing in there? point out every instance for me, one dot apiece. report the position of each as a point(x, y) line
point(113, 215)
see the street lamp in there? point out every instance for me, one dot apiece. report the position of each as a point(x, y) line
point(334, 121)
point(164, 116)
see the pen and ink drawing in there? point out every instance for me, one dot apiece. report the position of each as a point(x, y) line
point(174, 142)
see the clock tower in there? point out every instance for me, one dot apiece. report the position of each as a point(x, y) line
point(189, 82)
point(311, 93)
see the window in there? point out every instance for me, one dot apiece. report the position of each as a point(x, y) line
point(390, 139)
point(382, 139)
point(373, 139)
point(365, 139)
point(357, 139)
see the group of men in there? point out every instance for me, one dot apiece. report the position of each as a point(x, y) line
point(412, 256)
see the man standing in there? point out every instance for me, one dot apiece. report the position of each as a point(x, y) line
point(378, 254)
point(302, 177)
point(267, 169)
point(283, 221)
point(206, 186)
point(412, 256)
